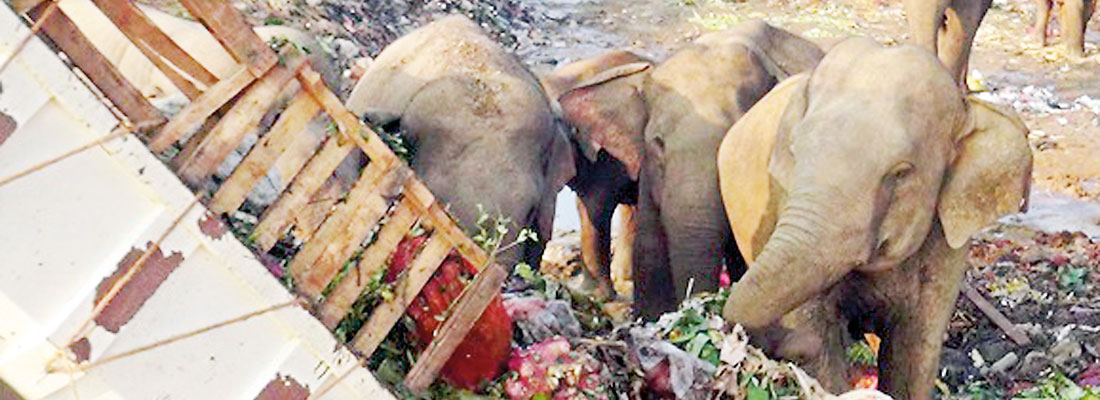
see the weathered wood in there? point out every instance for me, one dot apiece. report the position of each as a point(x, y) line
point(236, 35)
point(286, 132)
point(277, 217)
point(374, 257)
point(244, 117)
point(99, 70)
point(464, 313)
point(444, 225)
point(406, 289)
point(373, 146)
point(309, 218)
point(194, 114)
point(320, 259)
point(996, 316)
point(349, 125)
point(139, 28)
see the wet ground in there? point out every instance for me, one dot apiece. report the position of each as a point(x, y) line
point(1041, 278)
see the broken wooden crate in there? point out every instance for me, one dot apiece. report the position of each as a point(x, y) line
point(336, 221)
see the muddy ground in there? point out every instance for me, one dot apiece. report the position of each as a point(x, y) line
point(1045, 280)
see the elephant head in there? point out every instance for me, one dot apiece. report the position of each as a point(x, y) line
point(663, 123)
point(858, 166)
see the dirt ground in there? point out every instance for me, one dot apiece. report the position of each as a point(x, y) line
point(1044, 280)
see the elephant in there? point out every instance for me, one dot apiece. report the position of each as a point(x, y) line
point(664, 123)
point(485, 135)
point(852, 191)
point(947, 28)
point(606, 166)
point(1074, 16)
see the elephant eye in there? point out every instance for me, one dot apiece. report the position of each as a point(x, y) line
point(899, 171)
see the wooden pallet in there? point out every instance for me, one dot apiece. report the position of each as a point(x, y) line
point(383, 203)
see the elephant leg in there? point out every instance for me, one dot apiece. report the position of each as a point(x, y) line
point(962, 21)
point(621, 259)
point(913, 342)
point(596, 244)
point(653, 289)
point(1073, 18)
point(1042, 17)
point(925, 18)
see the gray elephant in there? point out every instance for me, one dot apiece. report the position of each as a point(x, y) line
point(484, 132)
point(947, 28)
point(1074, 16)
point(852, 191)
point(664, 124)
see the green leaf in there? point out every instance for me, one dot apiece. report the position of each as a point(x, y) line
point(756, 392)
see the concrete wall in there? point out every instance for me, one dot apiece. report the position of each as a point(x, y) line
point(67, 228)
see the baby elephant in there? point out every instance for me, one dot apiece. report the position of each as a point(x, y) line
point(852, 191)
point(1074, 16)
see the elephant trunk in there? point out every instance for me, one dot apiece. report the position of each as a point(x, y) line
point(799, 261)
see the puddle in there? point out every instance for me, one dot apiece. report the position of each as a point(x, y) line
point(1055, 212)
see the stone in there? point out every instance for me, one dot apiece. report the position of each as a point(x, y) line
point(1034, 364)
point(1064, 351)
point(1008, 361)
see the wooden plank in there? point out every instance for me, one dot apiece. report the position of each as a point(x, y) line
point(385, 315)
point(374, 257)
point(194, 114)
point(242, 118)
point(444, 225)
point(348, 123)
point(1015, 333)
point(286, 132)
point(139, 28)
point(99, 70)
point(464, 313)
point(236, 35)
point(320, 259)
point(309, 218)
point(373, 146)
point(317, 171)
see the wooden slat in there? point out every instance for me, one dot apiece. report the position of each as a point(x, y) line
point(464, 313)
point(99, 70)
point(139, 28)
point(345, 293)
point(349, 125)
point(308, 219)
point(387, 314)
point(229, 27)
point(317, 171)
point(242, 118)
point(185, 86)
point(320, 259)
point(194, 114)
point(445, 226)
point(286, 132)
point(373, 146)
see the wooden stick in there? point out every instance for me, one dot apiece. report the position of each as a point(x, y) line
point(139, 28)
point(193, 333)
point(117, 133)
point(229, 27)
point(45, 15)
point(465, 312)
point(195, 113)
point(64, 33)
point(996, 316)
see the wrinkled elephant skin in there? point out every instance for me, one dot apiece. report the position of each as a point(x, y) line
point(1074, 16)
point(947, 28)
point(853, 190)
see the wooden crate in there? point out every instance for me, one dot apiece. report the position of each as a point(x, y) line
point(382, 204)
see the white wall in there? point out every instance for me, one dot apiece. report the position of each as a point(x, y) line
point(65, 228)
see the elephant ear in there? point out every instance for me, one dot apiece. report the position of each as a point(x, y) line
point(749, 159)
point(990, 176)
point(609, 113)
